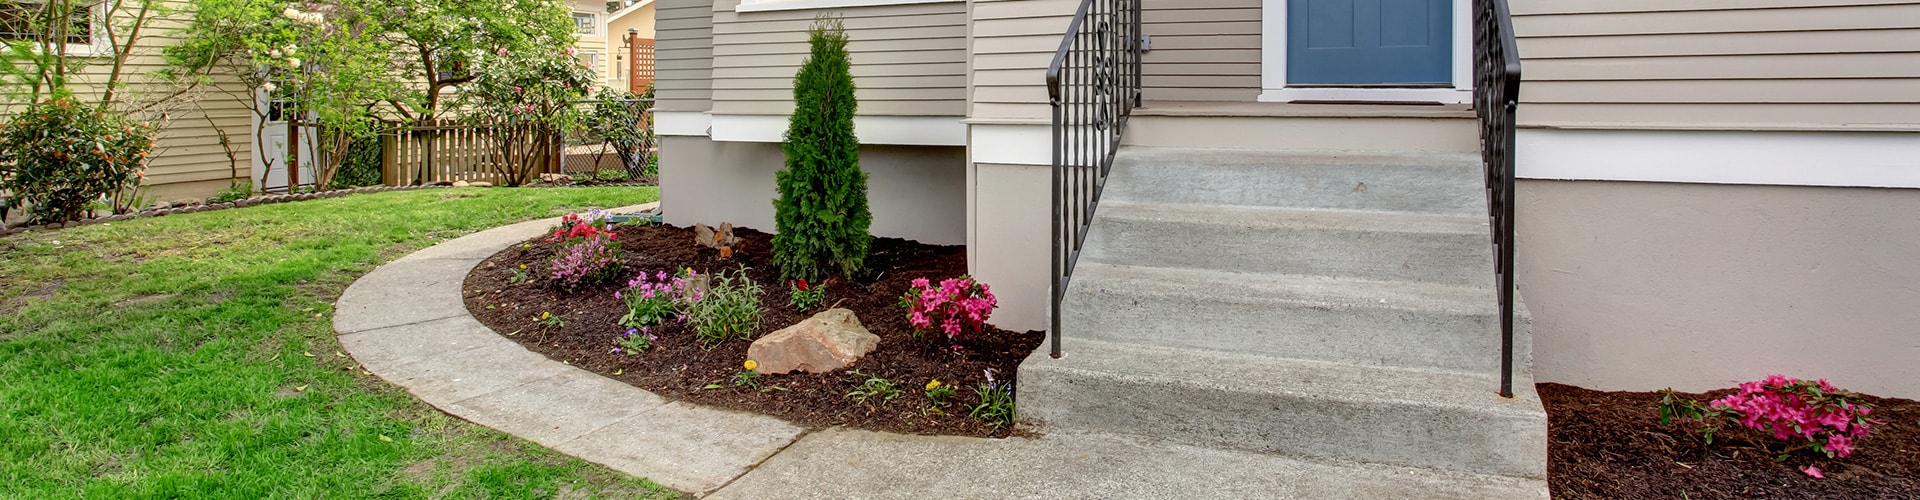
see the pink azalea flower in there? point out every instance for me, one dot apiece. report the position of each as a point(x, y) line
point(1813, 471)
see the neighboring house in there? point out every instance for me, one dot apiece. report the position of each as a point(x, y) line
point(590, 28)
point(189, 159)
point(634, 21)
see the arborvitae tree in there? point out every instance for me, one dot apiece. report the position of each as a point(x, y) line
point(821, 214)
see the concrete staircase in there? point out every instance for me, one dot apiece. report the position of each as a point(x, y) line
point(1334, 306)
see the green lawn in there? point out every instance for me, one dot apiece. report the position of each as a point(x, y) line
point(192, 356)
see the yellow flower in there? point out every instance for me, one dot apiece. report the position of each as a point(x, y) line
point(523, 267)
point(933, 384)
point(751, 365)
point(545, 315)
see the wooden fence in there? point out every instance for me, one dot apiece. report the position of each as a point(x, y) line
point(447, 153)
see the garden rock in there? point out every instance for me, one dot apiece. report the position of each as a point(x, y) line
point(480, 184)
point(461, 184)
point(828, 341)
point(710, 238)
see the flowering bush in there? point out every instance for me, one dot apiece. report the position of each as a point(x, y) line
point(588, 255)
point(59, 155)
point(1810, 414)
point(652, 299)
point(958, 307)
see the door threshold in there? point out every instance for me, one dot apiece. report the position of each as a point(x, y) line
point(1366, 103)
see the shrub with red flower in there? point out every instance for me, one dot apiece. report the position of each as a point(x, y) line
point(588, 252)
point(1810, 414)
point(958, 307)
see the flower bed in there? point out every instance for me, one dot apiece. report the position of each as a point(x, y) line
point(1612, 445)
point(892, 388)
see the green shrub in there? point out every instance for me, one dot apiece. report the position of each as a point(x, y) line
point(58, 155)
point(730, 309)
point(361, 167)
point(821, 215)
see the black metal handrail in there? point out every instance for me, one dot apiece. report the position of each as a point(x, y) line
point(1496, 98)
point(1093, 84)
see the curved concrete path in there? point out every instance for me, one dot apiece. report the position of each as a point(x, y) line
point(407, 323)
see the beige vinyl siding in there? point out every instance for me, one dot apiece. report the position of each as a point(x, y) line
point(1720, 64)
point(908, 60)
point(187, 159)
point(1013, 41)
point(683, 63)
point(1203, 50)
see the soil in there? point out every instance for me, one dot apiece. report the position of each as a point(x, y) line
point(677, 368)
point(1611, 445)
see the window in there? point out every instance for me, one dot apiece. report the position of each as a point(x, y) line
point(25, 21)
point(591, 58)
point(586, 23)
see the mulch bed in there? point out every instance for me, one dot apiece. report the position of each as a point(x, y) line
point(1611, 445)
point(677, 368)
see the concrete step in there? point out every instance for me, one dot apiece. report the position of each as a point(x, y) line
point(1432, 182)
point(1403, 324)
point(1303, 126)
point(1380, 246)
point(1412, 418)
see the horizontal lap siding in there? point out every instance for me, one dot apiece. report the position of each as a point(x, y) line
point(683, 61)
point(1720, 64)
point(188, 121)
point(1013, 41)
point(1203, 50)
point(908, 60)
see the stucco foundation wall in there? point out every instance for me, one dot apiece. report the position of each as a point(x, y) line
point(1640, 286)
point(1008, 240)
point(915, 192)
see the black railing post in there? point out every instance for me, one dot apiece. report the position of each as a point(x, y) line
point(1093, 84)
point(1496, 98)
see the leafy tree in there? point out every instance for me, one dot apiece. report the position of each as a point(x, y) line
point(822, 214)
point(527, 98)
point(447, 43)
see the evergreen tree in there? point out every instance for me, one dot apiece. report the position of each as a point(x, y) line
point(822, 214)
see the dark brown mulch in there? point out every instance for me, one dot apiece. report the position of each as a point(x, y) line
point(677, 368)
point(1611, 445)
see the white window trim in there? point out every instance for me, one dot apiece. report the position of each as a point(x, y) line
point(1273, 65)
point(775, 5)
point(101, 45)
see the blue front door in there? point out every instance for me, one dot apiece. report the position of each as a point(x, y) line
point(1370, 42)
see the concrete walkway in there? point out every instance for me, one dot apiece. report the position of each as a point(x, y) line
point(407, 323)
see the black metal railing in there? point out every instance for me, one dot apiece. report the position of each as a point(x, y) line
point(1496, 97)
point(1093, 85)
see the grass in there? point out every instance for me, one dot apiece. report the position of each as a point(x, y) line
point(192, 356)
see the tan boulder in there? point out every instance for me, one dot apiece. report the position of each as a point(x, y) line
point(828, 341)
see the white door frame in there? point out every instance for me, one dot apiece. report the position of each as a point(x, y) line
point(1273, 64)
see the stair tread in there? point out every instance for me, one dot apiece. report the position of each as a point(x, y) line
point(1258, 218)
point(1295, 377)
point(1298, 157)
point(1257, 287)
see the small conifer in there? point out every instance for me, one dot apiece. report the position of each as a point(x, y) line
point(821, 214)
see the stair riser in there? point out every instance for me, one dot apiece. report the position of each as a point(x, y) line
point(1453, 258)
point(1376, 336)
point(1298, 425)
point(1375, 134)
point(1453, 190)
